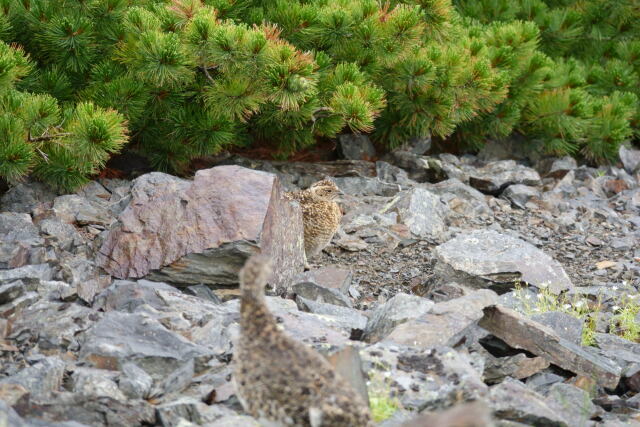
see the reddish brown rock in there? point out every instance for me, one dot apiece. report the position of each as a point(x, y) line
point(201, 231)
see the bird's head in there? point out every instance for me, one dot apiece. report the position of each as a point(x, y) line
point(325, 190)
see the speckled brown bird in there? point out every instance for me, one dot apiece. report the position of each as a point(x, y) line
point(321, 215)
point(279, 379)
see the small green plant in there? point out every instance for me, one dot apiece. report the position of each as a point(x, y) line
point(624, 323)
point(383, 405)
point(545, 301)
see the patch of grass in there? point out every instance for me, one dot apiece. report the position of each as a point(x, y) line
point(624, 323)
point(382, 406)
point(382, 403)
point(545, 301)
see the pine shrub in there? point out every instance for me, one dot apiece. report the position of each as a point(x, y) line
point(180, 79)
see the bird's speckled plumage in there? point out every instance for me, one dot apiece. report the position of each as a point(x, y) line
point(321, 214)
point(280, 379)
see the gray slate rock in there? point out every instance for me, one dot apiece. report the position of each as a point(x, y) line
point(630, 159)
point(11, 291)
point(513, 401)
point(29, 274)
point(53, 325)
point(315, 292)
point(461, 198)
point(565, 325)
point(364, 186)
point(315, 330)
point(84, 275)
point(74, 209)
point(9, 417)
point(519, 194)
point(329, 277)
point(356, 147)
point(573, 403)
point(560, 167)
point(41, 379)
point(24, 197)
point(417, 145)
point(91, 411)
point(496, 176)
point(424, 379)
point(20, 242)
point(347, 318)
point(386, 172)
point(421, 211)
point(96, 383)
point(487, 258)
point(446, 323)
point(419, 168)
point(120, 338)
point(399, 309)
point(62, 235)
point(134, 382)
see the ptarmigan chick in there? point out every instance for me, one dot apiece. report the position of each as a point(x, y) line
point(279, 379)
point(321, 215)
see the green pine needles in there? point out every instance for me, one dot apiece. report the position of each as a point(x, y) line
point(180, 79)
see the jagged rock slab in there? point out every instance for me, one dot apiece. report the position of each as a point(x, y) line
point(630, 159)
point(25, 196)
point(96, 383)
point(573, 403)
point(461, 198)
point(513, 401)
point(356, 147)
point(29, 274)
point(348, 318)
point(120, 338)
point(519, 194)
point(565, 325)
point(89, 411)
point(424, 379)
point(348, 364)
point(83, 274)
point(560, 167)
point(474, 414)
point(421, 211)
point(202, 322)
point(487, 258)
point(446, 323)
point(20, 242)
point(399, 309)
point(9, 417)
point(53, 326)
point(496, 176)
point(523, 333)
point(518, 366)
point(169, 218)
point(74, 209)
point(328, 277)
point(316, 292)
point(316, 330)
point(363, 186)
point(41, 379)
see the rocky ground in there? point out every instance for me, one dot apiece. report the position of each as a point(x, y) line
point(452, 279)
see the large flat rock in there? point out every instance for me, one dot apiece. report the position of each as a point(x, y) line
point(523, 333)
point(201, 231)
point(486, 258)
